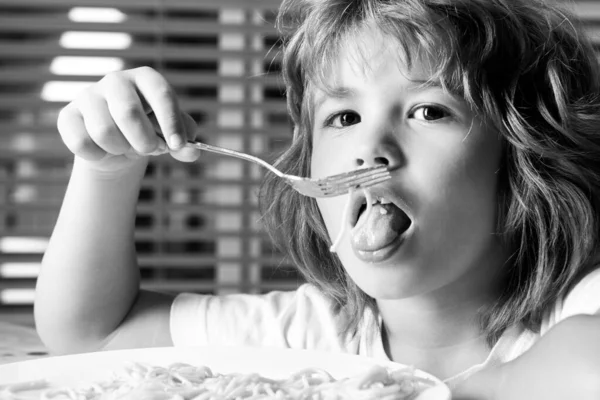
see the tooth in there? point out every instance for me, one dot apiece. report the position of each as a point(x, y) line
point(382, 211)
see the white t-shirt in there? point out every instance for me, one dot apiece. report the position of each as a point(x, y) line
point(303, 319)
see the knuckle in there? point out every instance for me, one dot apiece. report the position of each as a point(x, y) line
point(146, 74)
point(62, 121)
point(128, 112)
point(78, 143)
point(144, 69)
point(103, 131)
point(87, 99)
point(164, 93)
point(115, 77)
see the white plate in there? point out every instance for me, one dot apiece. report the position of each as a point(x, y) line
point(82, 369)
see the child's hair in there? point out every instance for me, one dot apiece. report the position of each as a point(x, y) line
point(526, 69)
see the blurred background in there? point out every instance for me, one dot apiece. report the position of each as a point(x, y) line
point(197, 227)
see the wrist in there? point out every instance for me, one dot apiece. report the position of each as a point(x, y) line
point(134, 169)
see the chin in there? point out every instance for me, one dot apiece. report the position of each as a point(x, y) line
point(387, 282)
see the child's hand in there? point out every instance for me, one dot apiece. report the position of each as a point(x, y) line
point(114, 123)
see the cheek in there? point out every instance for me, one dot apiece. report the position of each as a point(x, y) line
point(322, 163)
point(331, 212)
point(330, 155)
point(461, 192)
point(453, 177)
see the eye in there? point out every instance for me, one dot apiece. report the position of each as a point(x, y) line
point(430, 113)
point(343, 119)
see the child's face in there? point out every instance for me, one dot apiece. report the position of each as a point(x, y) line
point(444, 162)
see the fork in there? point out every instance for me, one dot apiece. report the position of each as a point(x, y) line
point(334, 185)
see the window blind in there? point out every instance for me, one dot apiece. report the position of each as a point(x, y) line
point(197, 225)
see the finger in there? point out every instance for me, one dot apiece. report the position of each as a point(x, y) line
point(127, 111)
point(191, 127)
point(73, 132)
point(133, 155)
point(186, 154)
point(161, 98)
point(100, 125)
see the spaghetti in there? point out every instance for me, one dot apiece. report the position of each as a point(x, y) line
point(187, 382)
point(345, 214)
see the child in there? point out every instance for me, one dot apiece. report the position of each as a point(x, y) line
point(475, 262)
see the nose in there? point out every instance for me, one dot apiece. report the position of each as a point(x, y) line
point(378, 149)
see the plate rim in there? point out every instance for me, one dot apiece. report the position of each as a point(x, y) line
point(122, 356)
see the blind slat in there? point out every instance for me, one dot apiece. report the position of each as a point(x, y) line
point(39, 49)
point(152, 4)
point(20, 101)
point(51, 24)
point(43, 74)
point(160, 261)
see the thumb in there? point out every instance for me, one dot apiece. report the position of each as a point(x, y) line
point(188, 153)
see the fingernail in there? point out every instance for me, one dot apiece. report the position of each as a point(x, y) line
point(175, 141)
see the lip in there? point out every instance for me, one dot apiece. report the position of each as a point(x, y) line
point(383, 253)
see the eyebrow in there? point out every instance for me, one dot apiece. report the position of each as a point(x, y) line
point(428, 83)
point(339, 92)
point(343, 92)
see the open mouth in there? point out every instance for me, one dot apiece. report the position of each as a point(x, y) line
point(374, 221)
point(370, 203)
point(377, 223)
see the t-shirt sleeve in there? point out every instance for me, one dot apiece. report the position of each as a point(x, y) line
point(584, 298)
point(293, 319)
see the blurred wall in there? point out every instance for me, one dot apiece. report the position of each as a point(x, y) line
point(197, 227)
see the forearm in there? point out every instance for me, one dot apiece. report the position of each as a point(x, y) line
point(89, 277)
point(563, 364)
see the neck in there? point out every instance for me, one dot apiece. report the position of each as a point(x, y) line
point(441, 319)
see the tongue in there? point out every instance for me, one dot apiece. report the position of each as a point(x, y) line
point(379, 227)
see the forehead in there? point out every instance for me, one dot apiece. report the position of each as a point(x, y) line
point(367, 53)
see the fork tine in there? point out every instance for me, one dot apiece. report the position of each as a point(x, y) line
point(309, 188)
point(358, 179)
point(353, 174)
point(341, 189)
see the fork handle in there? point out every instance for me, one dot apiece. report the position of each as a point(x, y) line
point(233, 153)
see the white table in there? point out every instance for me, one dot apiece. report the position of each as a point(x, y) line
point(19, 343)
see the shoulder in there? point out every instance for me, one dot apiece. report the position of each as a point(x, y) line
point(297, 318)
point(583, 298)
point(305, 295)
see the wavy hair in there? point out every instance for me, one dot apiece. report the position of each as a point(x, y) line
point(523, 66)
